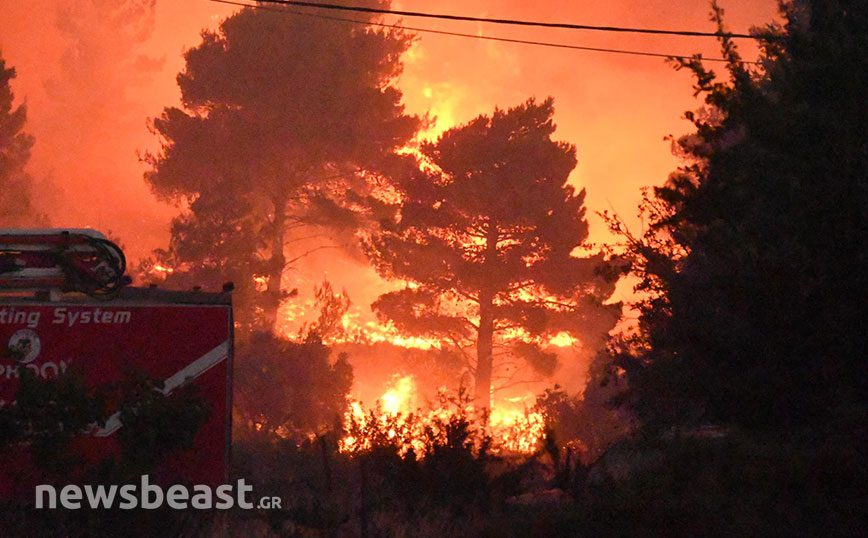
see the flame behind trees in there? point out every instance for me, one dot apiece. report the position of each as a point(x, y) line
point(279, 112)
point(485, 236)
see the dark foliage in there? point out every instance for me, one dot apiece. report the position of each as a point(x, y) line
point(42, 426)
point(289, 388)
point(756, 309)
point(734, 485)
point(15, 146)
point(281, 114)
point(47, 415)
point(584, 426)
point(156, 425)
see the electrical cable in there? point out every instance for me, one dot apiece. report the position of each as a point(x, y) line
point(487, 38)
point(514, 22)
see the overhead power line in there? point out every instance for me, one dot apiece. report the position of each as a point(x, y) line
point(514, 22)
point(483, 37)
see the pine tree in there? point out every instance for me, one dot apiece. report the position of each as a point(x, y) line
point(485, 237)
point(754, 256)
point(279, 114)
point(15, 146)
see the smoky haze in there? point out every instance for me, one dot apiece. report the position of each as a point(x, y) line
point(93, 74)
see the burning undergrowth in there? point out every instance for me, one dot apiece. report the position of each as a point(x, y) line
point(417, 433)
point(296, 390)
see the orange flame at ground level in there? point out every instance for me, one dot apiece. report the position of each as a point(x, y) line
point(394, 421)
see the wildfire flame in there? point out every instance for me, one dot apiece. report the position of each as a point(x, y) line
point(293, 313)
point(397, 399)
point(517, 431)
point(395, 420)
point(397, 417)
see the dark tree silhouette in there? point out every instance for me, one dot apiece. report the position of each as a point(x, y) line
point(42, 432)
point(486, 234)
point(281, 115)
point(15, 145)
point(755, 253)
point(290, 388)
point(48, 415)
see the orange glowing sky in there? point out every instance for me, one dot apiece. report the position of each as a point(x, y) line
point(90, 122)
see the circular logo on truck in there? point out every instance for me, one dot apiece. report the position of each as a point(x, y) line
point(24, 344)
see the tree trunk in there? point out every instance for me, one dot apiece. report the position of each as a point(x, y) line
point(484, 352)
point(485, 336)
point(276, 265)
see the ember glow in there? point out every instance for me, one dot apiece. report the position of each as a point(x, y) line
point(162, 269)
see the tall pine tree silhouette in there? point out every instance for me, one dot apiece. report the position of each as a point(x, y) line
point(15, 146)
point(485, 236)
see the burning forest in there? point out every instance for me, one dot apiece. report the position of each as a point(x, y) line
point(441, 322)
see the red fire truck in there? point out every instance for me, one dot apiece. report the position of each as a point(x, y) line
point(65, 303)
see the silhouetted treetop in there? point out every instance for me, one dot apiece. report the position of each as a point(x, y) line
point(755, 245)
point(486, 231)
point(286, 123)
point(15, 146)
